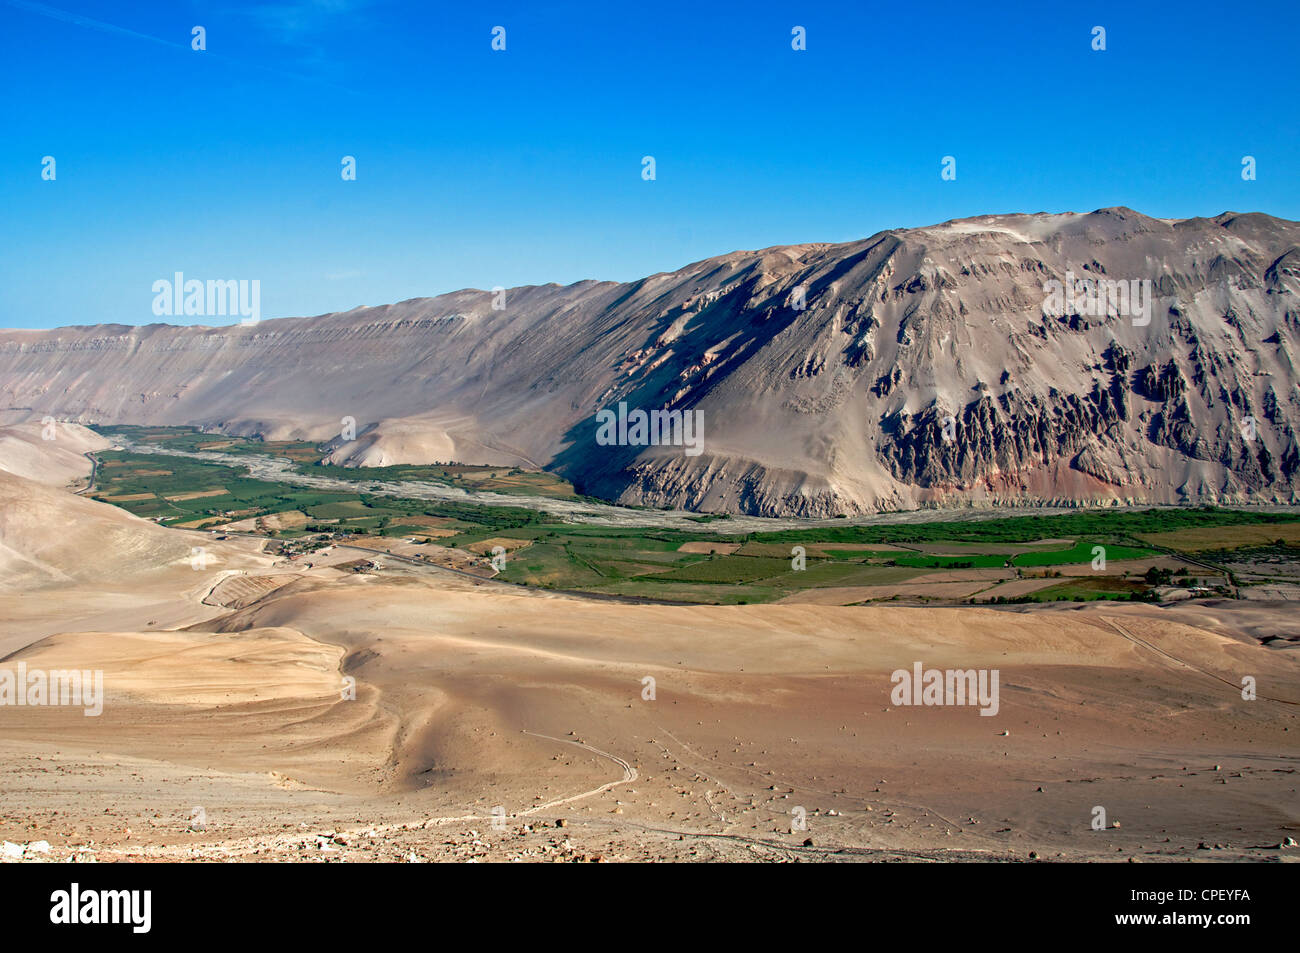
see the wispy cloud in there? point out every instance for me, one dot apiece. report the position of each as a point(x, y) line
point(41, 9)
point(76, 19)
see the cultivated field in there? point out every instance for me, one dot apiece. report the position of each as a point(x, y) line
point(1144, 555)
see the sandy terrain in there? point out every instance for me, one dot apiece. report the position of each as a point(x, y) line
point(706, 547)
point(485, 547)
point(949, 584)
point(332, 715)
point(52, 453)
point(1018, 587)
point(851, 595)
point(1135, 567)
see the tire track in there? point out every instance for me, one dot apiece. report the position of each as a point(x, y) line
point(629, 774)
point(1235, 686)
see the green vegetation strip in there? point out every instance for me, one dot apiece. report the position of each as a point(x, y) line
point(645, 562)
point(1023, 529)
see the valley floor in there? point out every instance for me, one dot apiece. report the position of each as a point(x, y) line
point(333, 707)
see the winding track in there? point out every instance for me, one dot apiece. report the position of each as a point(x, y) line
point(1235, 686)
point(629, 774)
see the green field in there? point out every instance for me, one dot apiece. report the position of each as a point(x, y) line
point(308, 457)
point(177, 491)
point(1087, 590)
point(1100, 523)
point(650, 564)
point(1082, 553)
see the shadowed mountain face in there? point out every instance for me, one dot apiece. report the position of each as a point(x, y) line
point(916, 367)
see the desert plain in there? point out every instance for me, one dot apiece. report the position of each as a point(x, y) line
point(259, 707)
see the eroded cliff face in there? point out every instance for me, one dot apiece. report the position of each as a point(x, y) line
point(915, 367)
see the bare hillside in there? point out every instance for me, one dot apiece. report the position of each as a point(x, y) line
point(917, 366)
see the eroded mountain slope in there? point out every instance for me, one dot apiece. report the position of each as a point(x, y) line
point(839, 406)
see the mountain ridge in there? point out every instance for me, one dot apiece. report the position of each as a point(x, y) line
point(923, 369)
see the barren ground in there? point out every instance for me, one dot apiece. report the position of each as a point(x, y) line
point(494, 724)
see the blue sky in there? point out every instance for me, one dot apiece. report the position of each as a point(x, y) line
point(478, 168)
